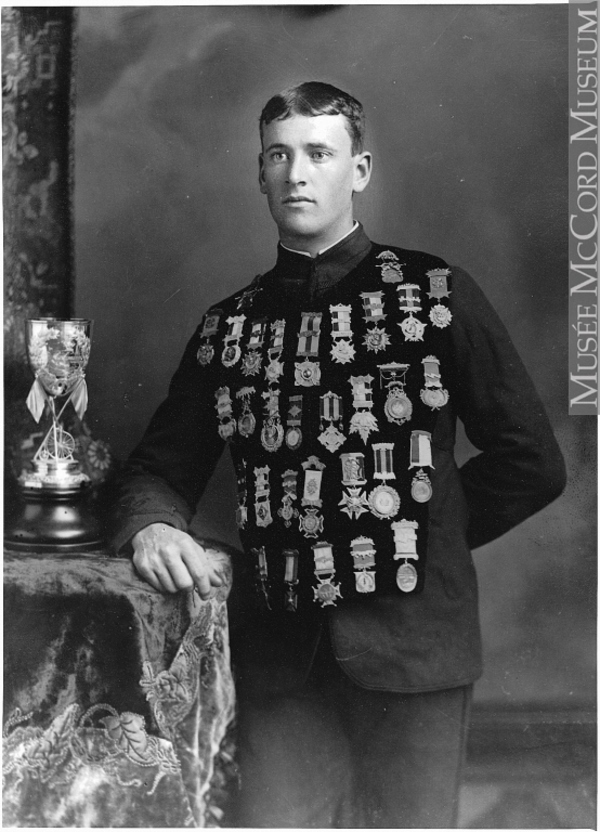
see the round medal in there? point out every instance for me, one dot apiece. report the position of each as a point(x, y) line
point(384, 502)
point(398, 407)
point(227, 429)
point(420, 489)
point(406, 577)
point(293, 438)
point(434, 397)
point(271, 436)
point(230, 355)
point(246, 424)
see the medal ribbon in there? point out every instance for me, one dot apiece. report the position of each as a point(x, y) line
point(308, 337)
point(408, 298)
point(384, 465)
point(373, 306)
point(420, 449)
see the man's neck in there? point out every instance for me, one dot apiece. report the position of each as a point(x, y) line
point(317, 248)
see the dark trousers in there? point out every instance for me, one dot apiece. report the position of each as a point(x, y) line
point(334, 754)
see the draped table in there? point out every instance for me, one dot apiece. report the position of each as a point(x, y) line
point(116, 697)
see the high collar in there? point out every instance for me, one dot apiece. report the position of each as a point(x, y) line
point(302, 275)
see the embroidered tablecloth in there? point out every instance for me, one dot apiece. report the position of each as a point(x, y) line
point(116, 697)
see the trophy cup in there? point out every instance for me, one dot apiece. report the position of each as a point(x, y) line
point(54, 512)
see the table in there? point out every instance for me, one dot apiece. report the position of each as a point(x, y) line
point(116, 697)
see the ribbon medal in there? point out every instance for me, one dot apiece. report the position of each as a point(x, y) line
point(262, 506)
point(311, 523)
point(287, 512)
point(409, 301)
point(405, 542)
point(342, 350)
point(433, 394)
point(275, 368)
point(331, 410)
point(440, 316)
point(271, 436)
point(354, 501)
point(247, 421)
point(376, 338)
point(241, 514)
point(326, 591)
point(438, 283)
point(384, 500)
point(363, 555)
point(363, 421)
point(206, 350)
point(232, 352)
point(293, 434)
point(253, 358)
point(224, 408)
point(262, 574)
point(290, 603)
point(391, 268)
point(308, 373)
point(398, 407)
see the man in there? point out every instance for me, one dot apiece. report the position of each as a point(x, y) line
point(336, 380)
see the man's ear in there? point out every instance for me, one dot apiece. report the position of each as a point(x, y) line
point(363, 165)
point(261, 174)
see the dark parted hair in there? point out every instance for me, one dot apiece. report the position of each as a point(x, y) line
point(315, 98)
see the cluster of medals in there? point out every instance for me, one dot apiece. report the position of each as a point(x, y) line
point(300, 487)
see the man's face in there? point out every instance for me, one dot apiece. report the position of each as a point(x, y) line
point(309, 174)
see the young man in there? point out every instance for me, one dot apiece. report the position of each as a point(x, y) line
point(336, 380)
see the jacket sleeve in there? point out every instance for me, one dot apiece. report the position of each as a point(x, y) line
point(165, 476)
point(520, 468)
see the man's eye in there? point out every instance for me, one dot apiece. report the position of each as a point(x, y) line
point(319, 155)
point(278, 157)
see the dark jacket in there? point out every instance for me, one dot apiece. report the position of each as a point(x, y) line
point(426, 639)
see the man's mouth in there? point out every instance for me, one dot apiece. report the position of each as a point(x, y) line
point(292, 200)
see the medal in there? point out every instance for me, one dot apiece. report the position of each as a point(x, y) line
point(247, 421)
point(313, 476)
point(409, 298)
point(205, 354)
point(290, 603)
point(362, 422)
point(342, 350)
point(293, 436)
point(262, 575)
point(231, 351)
point(440, 316)
point(433, 394)
point(331, 410)
point(262, 488)
point(412, 328)
point(274, 369)
point(420, 488)
point(354, 502)
point(420, 449)
point(406, 577)
point(384, 502)
point(253, 359)
point(326, 591)
point(241, 514)
point(224, 408)
point(438, 283)
point(376, 339)
point(307, 373)
point(398, 407)
point(287, 512)
point(363, 555)
point(271, 435)
point(210, 326)
point(311, 523)
point(353, 469)
point(391, 271)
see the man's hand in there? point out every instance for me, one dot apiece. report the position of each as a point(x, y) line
point(171, 560)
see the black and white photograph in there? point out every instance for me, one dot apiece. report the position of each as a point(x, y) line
point(300, 415)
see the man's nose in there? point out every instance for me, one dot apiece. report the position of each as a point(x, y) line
point(296, 173)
